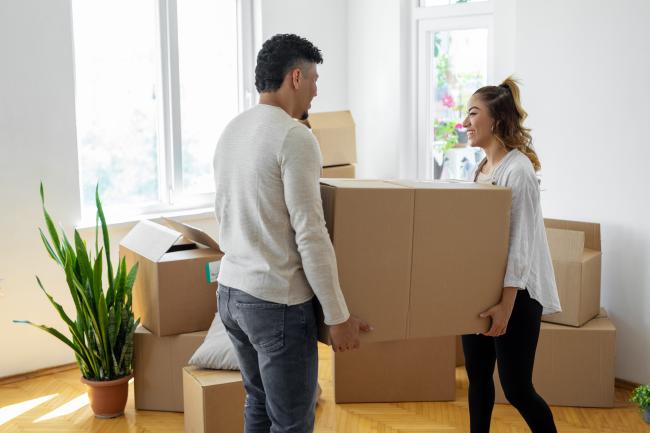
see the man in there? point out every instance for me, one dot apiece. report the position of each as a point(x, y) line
point(278, 254)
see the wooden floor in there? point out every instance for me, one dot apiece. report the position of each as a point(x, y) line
point(57, 403)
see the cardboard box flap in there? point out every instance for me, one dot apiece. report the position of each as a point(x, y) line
point(566, 245)
point(445, 184)
point(207, 377)
point(330, 120)
point(361, 184)
point(150, 240)
point(193, 233)
point(591, 230)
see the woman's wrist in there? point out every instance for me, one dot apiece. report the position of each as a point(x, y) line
point(508, 296)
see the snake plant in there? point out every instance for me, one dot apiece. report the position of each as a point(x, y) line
point(101, 335)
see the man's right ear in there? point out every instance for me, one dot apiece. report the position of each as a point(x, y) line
point(296, 75)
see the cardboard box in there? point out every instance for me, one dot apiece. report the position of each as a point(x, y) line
point(576, 253)
point(335, 132)
point(174, 292)
point(158, 368)
point(397, 371)
point(460, 355)
point(574, 366)
point(214, 401)
point(418, 259)
point(339, 171)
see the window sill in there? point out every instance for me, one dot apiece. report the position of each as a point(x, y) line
point(185, 215)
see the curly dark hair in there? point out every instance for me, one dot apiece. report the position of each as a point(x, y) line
point(278, 56)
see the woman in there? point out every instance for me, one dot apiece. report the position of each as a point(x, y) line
point(494, 123)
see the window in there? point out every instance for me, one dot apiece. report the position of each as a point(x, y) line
point(453, 61)
point(430, 3)
point(156, 83)
point(459, 68)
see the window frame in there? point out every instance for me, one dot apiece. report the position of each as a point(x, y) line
point(171, 197)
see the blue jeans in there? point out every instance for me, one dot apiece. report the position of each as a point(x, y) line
point(278, 357)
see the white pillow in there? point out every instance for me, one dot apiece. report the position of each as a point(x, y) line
point(216, 352)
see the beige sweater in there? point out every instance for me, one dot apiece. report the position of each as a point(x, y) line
point(271, 226)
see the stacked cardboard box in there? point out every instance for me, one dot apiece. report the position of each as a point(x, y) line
point(214, 401)
point(574, 363)
point(403, 250)
point(574, 366)
point(174, 296)
point(460, 355)
point(396, 371)
point(335, 132)
point(339, 171)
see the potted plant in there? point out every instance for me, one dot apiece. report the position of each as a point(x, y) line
point(101, 334)
point(641, 396)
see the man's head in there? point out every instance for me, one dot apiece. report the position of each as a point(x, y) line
point(287, 63)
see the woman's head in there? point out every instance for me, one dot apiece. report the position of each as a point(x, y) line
point(495, 113)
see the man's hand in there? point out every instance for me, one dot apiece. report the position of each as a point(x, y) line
point(345, 336)
point(500, 313)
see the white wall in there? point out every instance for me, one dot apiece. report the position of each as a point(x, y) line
point(585, 86)
point(38, 141)
point(324, 23)
point(375, 84)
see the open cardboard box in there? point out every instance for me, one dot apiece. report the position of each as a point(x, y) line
point(576, 253)
point(175, 290)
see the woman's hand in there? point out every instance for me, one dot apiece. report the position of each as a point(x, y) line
point(500, 313)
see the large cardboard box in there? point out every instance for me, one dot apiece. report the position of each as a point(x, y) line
point(214, 401)
point(158, 368)
point(397, 371)
point(175, 290)
point(418, 259)
point(339, 171)
point(335, 132)
point(574, 366)
point(576, 253)
point(460, 355)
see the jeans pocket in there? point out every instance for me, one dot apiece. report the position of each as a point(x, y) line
point(263, 323)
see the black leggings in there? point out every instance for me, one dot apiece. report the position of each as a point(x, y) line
point(515, 351)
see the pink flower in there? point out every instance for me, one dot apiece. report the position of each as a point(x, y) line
point(458, 126)
point(448, 101)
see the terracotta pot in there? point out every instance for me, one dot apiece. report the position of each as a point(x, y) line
point(108, 397)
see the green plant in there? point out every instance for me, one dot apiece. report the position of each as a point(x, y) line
point(641, 396)
point(102, 333)
point(445, 132)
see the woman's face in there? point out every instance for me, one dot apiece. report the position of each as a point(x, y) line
point(478, 123)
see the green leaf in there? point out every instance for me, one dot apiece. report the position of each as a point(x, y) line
point(50, 225)
point(55, 333)
point(84, 262)
point(49, 248)
point(97, 273)
point(106, 240)
point(112, 328)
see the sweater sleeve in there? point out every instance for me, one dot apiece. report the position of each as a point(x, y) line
point(523, 216)
point(300, 163)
